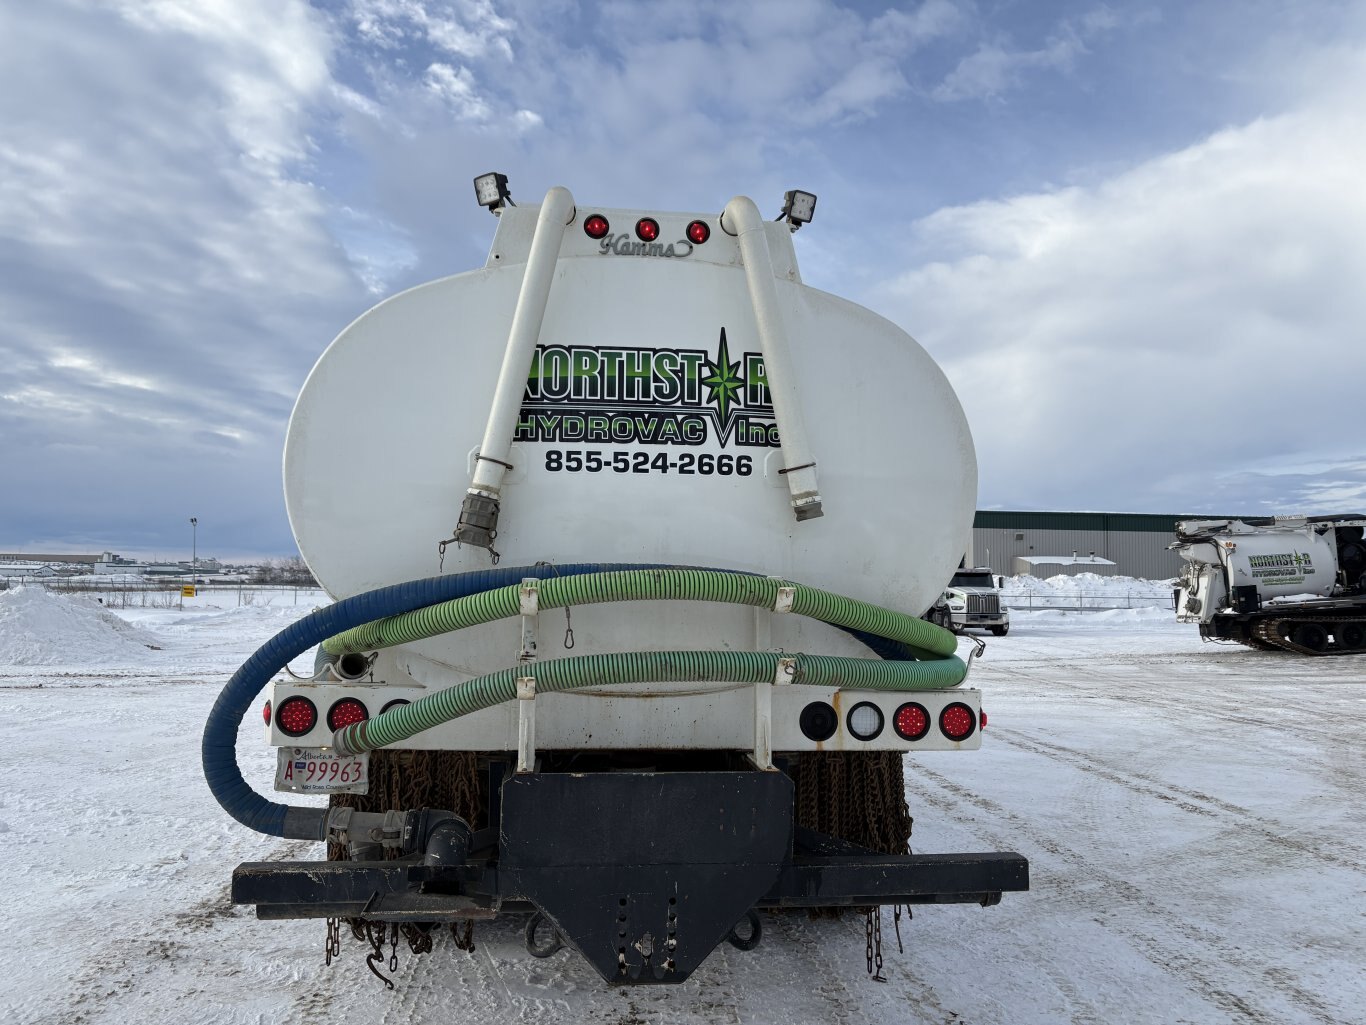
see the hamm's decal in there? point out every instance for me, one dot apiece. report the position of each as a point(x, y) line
point(648, 396)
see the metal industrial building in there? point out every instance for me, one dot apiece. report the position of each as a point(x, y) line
point(1135, 542)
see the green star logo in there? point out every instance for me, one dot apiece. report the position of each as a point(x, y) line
point(723, 380)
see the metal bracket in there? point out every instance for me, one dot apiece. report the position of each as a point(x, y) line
point(526, 724)
point(783, 603)
point(978, 646)
point(529, 604)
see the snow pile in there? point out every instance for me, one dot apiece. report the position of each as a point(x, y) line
point(39, 628)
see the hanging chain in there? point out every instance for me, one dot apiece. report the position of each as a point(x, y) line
point(332, 945)
point(463, 942)
point(896, 924)
point(375, 935)
point(872, 932)
point(568, 621)
point(393, 947)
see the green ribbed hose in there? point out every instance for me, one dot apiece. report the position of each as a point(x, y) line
point(564, 674)
point(928, 640)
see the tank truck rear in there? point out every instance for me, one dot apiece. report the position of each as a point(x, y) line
point(663, 671)
point(1288, 583)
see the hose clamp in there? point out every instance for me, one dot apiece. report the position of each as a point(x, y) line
point(526, 688)
point(786, 596)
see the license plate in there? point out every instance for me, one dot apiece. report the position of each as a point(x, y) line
point(315, 770)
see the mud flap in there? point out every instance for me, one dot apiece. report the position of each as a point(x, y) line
point(645, 873)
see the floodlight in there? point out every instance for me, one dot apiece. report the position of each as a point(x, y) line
point(798, 208)
point(492, 190)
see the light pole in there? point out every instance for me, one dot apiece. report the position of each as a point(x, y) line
point(194, 552)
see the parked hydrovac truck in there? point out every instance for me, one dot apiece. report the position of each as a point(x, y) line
point(628, 534)
point(1287, 583)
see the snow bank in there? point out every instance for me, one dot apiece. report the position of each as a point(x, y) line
point(1088, 590)
point(40, 628)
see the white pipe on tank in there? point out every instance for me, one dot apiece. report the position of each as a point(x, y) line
point(741, 218)
point(479, 513)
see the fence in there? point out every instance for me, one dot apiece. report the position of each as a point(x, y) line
point(1025, 601)
point(165, 592)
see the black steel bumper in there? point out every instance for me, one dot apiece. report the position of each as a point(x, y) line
point(642, 873)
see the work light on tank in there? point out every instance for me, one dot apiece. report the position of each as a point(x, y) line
point(798, 208)
point(492, 190)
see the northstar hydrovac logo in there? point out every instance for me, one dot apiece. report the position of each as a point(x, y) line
point(648, 396)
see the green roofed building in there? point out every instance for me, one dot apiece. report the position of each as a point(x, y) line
point(1135, 542)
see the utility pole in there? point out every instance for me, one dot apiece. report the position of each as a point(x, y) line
point(194, 553)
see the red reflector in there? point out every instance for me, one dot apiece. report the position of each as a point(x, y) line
point(596, 226)
point(346, 712)
point(957, 721)
point(266, 713)
point(911, 721)
point(647, 229)
point(296, 716)
point(698, 232)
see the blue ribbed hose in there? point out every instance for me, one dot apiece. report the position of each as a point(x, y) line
point(219, 748)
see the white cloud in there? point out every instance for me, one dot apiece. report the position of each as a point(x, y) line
point(456, 88)
point(1176, 326)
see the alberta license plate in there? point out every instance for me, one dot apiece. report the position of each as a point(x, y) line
point(315, 770)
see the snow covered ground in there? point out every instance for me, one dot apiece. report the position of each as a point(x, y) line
point(1192, 815)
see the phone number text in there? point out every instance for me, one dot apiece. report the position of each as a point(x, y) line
point(598, 461)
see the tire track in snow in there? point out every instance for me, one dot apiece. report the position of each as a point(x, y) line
point(1208, 971)
point(123, 964)
point(1211, 705)
point(1195, 802)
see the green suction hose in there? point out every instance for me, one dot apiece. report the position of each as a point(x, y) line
point(941, 668)
point(928, 640)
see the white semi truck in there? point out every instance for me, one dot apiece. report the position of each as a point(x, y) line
point(628, 534)
point(1289, 583)
point(972, 601)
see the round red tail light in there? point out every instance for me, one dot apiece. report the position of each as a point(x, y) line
point(647, 229)
point(296, 716)
point(596, 226)
point(911, 721)
point(396, 703)
point(346, 712)
point(698, 232)
point(957, 721)
point(265, 712)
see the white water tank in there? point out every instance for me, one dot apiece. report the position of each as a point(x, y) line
point(646, 436)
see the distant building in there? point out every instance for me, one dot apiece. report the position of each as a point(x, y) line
point(1135, 542)
point(20, 570)
point(1062, 565)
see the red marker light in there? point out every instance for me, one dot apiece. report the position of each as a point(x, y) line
point(647, 229)
point(957, 721)
point(911, 721)
point(698, 232)
point(596, 226)
point(346, 712)
point(296, 716)
point(982, 720)
point(266, 713)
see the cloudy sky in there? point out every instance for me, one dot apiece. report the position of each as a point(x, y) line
point(1134, 234)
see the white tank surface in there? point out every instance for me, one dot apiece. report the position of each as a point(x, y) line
point(1282, 562)
point(647, 434)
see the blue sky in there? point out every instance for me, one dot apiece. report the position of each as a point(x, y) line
point(1132, 234)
